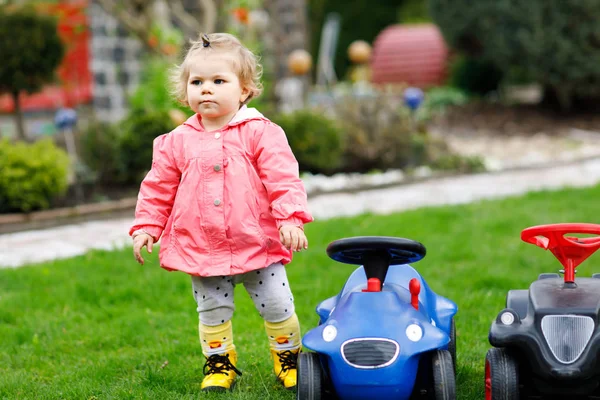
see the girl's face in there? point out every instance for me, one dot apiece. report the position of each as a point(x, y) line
point(214, 90)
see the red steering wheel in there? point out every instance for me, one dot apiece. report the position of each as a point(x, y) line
point(569, 250)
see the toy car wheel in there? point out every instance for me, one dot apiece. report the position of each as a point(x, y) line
point(501, 376)
point(452, 344)
point(310, 377)
point(444, 385)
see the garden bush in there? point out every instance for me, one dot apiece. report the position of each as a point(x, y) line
point(31, 175)
point(475, 76)
point(555, 43)
point(100, 151)
point(376, 130)
point(135, 143)
point(314, 139)
point(152, 94)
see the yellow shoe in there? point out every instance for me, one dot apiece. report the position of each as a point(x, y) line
point(220, 372)
point(286, 364)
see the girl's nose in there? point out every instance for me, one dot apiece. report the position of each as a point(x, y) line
point(206, 88)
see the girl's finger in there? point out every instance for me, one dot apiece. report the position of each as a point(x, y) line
point(137, 255)
point(287, 239)
point(295, 240)
point(150, 243)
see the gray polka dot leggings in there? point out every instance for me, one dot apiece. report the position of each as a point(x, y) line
point(268, 288)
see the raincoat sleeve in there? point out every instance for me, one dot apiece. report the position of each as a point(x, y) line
point(278, 170)
point(158, 189)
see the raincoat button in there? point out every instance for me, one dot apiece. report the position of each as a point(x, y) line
point(217, 135)
point(217, 167)
point(217, 202)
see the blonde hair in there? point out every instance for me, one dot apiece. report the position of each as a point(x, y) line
point(246, 64)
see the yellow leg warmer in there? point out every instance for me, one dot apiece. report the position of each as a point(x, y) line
point(221, 357)
point(216, 339)
point(284, 340)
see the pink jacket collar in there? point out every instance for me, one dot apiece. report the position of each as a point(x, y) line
point(244, 114)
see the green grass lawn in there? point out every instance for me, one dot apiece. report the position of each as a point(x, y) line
point(100, 326)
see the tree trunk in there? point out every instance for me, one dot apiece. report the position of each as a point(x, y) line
point(19, 117)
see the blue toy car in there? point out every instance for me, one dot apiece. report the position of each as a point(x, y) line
point(387, 335)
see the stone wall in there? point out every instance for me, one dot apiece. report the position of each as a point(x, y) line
point(116, 62)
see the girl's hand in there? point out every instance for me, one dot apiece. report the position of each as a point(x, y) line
point(293, 238)
point(139, 241)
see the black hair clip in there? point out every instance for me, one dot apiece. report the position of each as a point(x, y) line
point(205, 40)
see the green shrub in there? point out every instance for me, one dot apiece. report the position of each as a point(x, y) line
point(438, 99)
point(555, 43)
point(314, 139)
point(376, 130)
point(152, 94)
point(413, 12)
point(475, 76)
point(455, 162)
point(100, 151)
point(135, 144)
point(31, 175)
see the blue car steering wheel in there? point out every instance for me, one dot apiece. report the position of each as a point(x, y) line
point(376, 253)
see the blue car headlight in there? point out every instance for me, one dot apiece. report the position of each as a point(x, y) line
point(329, 333)
point(414, 332)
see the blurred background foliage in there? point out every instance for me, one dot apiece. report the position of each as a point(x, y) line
point(553, 43)
point(360, 127)
point(360, 20)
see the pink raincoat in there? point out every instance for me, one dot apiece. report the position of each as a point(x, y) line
point(218, 198)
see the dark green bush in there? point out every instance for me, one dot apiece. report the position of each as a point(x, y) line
point(475, 76)
point(100, 151)
point(314, 139)
point(555, 43)
point(31, 175)
point(135, 144)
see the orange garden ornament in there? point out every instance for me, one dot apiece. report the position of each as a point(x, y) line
point(299, 62)
point(241, 14)
point(359, 52)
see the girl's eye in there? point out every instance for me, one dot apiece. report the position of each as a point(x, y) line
point(219, 81)
point(196, 82)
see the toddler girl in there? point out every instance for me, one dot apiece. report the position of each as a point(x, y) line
point(225, 195)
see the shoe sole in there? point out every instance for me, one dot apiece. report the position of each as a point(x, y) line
point(218, 388)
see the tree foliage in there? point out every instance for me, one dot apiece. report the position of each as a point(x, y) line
point(159, 23)
point(31, 51)
point(554, 42)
